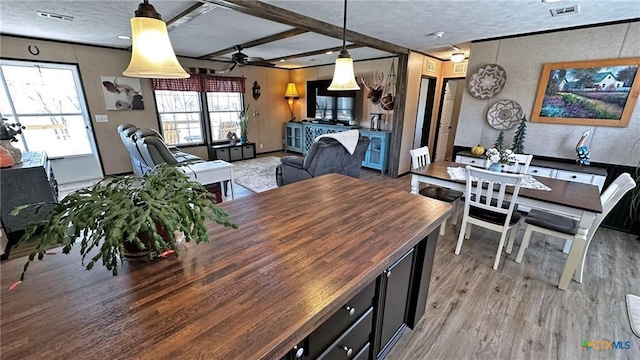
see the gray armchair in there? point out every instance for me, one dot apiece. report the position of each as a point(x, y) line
point(127, 135)
point(325, 156)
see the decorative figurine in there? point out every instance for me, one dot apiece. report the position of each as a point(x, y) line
point(582, 151)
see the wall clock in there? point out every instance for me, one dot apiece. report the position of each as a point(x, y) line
point(487, 81)
point(504, 114)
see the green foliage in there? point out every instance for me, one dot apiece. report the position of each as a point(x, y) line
point(101, 219)
point(499, 144)
point(518, 138)
point(245, 118)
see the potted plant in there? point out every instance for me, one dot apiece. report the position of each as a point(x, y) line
point(148, 214)
point(498, 157)
point(8, 132)
point(244, 120)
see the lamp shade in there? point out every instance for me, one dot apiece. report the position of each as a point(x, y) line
point(343, 75)
point(457, 57)
point(152, 55)
point(292, 91)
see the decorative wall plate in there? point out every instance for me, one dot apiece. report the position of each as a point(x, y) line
point(504, 114)
point(487, 81)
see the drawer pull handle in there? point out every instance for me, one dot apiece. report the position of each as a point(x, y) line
point(347, 350)
point(473, 161)
point(351, 310)
point(388, 272)
point(573, 176)
point(299, 351)
point(535, 171)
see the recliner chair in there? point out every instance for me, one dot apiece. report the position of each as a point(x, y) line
point(325, 156)
point(155, 151)
point(127, 135)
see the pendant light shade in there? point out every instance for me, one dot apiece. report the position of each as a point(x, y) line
point(343, 74)
point(152, 54)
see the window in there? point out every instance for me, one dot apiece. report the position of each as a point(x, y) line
point(181, 107)
point(329, 105)
point(224, 109)
point(47, 100)
point(180, 114)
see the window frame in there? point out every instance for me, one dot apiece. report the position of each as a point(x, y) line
point(202, 113)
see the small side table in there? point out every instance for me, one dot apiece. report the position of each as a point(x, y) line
point(207, 173)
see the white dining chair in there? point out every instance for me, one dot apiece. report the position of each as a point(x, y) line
point(420, 157)
point(485, 205)
point(520, 165)
point(566, 228)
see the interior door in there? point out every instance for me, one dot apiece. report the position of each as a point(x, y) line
point(444, 125)
point(47, 100)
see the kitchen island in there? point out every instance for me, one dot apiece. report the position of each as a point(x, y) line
point(315, 269)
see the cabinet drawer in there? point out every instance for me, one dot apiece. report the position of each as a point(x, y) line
point(469, 160)
point(235, 153)
point(248, 152)
point(364, 353)
point(331, 329)
point(352, 341)
point(575, 177)
point(223, 154)
point(541, 171)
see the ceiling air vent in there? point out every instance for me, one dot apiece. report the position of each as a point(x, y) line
point(565, 10)
point(54, 16)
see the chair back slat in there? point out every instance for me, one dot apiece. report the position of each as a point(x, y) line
point(489, 190)
point(610, 197)
point(521, 164)
point(420, 157)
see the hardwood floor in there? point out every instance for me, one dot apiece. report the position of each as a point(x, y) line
point(517, 311)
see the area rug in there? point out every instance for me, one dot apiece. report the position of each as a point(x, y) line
point(633, 307)
point(257, 174)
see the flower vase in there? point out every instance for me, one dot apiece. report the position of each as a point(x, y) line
point(497, 167)
point(243, 138)
point(16, 154)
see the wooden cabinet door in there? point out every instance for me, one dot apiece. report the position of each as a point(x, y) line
point(395, 281)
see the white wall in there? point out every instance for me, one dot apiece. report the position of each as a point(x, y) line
point(523, 58)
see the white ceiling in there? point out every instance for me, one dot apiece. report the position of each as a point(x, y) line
point(401, 22)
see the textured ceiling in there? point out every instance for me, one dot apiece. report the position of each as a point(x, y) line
point(402, 22)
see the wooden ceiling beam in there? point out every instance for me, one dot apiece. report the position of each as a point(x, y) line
point(315, 52)
point(190, 14)
point(273, 13)
point(264, 40)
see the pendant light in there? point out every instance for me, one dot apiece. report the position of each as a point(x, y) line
point(343, 75)
point(152, 55)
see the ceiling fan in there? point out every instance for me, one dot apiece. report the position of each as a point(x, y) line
point(242, 59)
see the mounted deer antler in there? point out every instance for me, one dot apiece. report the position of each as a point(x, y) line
point(374, 93)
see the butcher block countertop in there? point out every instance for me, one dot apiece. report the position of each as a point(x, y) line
point(301, 251)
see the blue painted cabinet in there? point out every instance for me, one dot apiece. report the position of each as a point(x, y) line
point(378, 151)
point(300, 136)
point(293, 137)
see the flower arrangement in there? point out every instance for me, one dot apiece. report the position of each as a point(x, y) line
point(500, 156)
point(8, 131)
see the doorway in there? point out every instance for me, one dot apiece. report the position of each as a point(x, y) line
point(47, 99)
point(448, 119)
point(425, 109)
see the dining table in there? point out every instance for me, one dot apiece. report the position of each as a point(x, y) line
point(577, 200)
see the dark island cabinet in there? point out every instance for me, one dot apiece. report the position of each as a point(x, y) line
point(392, 305)
point(368, 325)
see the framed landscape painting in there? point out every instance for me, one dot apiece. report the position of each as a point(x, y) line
point(593, 92)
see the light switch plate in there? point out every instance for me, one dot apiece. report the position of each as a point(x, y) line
point(102, 118)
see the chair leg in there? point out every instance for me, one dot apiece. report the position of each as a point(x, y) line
point(512, 238)
point(467, 233)
point(567, 245)
point(461, 236)
point(503, 237)
point(524, 243)
point(454, 212)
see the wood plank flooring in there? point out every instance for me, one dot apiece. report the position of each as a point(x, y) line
point(517, 311)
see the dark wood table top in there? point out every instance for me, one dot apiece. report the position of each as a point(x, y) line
point(301, 251)
point(573, 194)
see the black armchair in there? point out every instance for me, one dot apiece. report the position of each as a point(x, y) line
point(325, 156)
